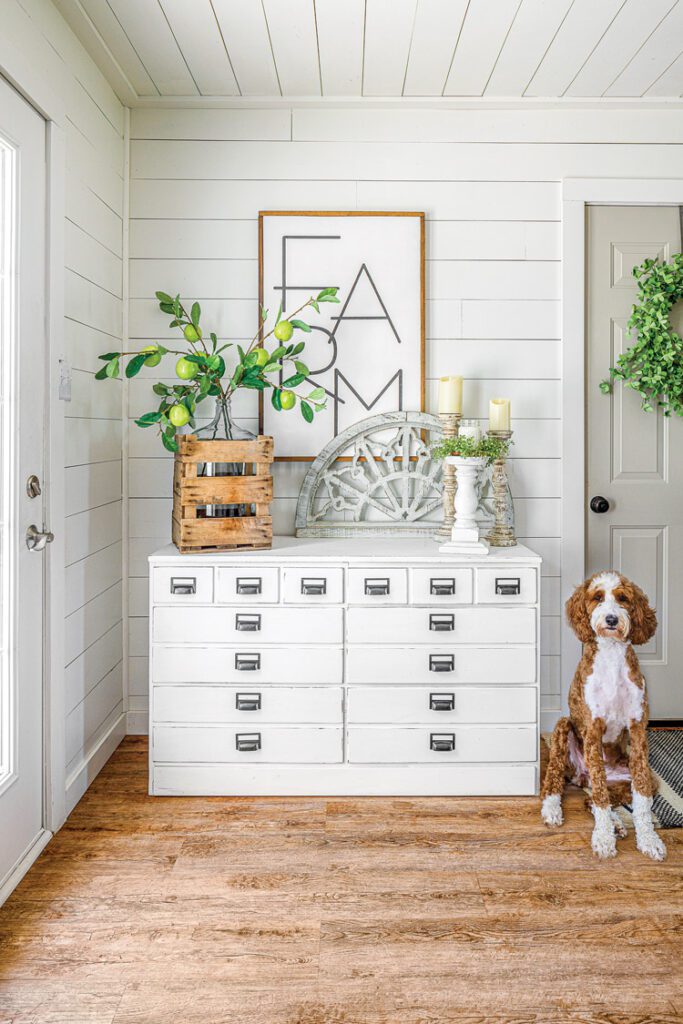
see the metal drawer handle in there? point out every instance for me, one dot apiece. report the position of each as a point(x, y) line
point(442, 702)
point(183, 584)
point(247, 662)
point(246, 741)
point(248, 701)
point(508, 586)
point(249, 585)
point(247, 623)
point(377, 587)
point(442, 741)
point(314, 585)
point(442, 623)
point(442, 587)
point(441, 662)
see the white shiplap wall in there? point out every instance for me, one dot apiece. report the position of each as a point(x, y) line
point(94, 129)
point(489, 182)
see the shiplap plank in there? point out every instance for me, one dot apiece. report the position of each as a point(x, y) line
point(140, 548)
point(499, 359)
point(465, 200)
point(228, 125)
point(92, 485)
point(198, 279)
point(138, 597)
point(486, 26)
point(535, 478)
point(653, 58)
point(93, 620)
point(84, 721)
point(550, 595)
point(549, 550)
point(92, 531)
point(670, 82)
point(340, 45)
point(91, 305)
point(529, 37)
point(92, 575)
point(229, 318)
point(493, 279)
point(144, 23)
point(89, 441)
point(505, 318)
point(620, 43)
point(91, 260)
point(196, 29)
point(236, 239)
point(150, 517)
point(550, 675)
point(245, 32)
point(399, 161)
point(84, 113)
point(388, 31)
point(291, 25)
point(138, 635)
point(435, 34)
point(138, 677)
point(88, 212)
point(83, 346)
point(93, 399)
point(85, 164)
point(109, 27)
point(550, 634)
point(240, 200)
point(530, 399)
point(578, 35)
point(85, 672)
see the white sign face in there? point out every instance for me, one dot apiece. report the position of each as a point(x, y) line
point(366, 352)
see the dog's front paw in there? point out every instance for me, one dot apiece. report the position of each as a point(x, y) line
point(604, 839)
point(551, 809)
point(619, 826)
point(651, 845)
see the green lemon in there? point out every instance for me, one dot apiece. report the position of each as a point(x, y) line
point(287, 399)
point(155, 357)
point(185, 369)
point(178, 415)
point(262, 357)
point(192, 333)
point(283, 331)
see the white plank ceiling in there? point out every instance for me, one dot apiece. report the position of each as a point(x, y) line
point(384, 48)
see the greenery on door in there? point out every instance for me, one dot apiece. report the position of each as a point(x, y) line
point(486, 447)
point(202, 369)
point(653, 366)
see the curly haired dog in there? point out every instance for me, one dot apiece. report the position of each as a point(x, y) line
point(604, 740)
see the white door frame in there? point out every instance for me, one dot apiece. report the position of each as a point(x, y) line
point(28, 80)
point(577, 194)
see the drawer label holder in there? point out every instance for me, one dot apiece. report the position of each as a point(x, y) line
point(252, 585)
point(441, 662)
point(246, 742)
point(442, 586)
point(247, 623)
point(377, 586)
point(442, 702)
point(440, 623)
point(314, 585)
point(183, 585)
point(247, 662)
point(248, 701)
point(442, 741)
point(508, 586)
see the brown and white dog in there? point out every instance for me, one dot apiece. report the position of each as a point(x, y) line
point(603, 742)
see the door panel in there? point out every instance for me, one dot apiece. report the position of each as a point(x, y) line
point(634, 458)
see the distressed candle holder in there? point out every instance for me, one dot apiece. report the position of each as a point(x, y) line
point(502, 533)
point(465, 538)
point(450, 425)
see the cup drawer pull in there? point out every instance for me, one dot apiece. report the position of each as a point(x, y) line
point(377, 586)
point(314, 585)
point(441, 662)
point(442, 741)
point(442, 587)
point(247, 623)
point(249, 585)
point(247, 741)
point(248, 701)
point(442, 702)
point(442, 623)
point(508, 586)
point(247, 662)
point(183, 584)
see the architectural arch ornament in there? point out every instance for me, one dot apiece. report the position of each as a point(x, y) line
point(387, 485)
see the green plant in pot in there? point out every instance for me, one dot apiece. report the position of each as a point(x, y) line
point(487, 448)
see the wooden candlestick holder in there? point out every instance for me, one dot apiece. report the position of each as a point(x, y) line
point(451, 425)
point(502, 534)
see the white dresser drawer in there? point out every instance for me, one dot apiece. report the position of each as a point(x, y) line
point(441, 585)
point(473, 743)
point(430, 625)
point(245, 705)
point(191, 584)
point(506, 586)
point(270, 744)
point(436, 705)
point(249, 626)
point(246, 664)
point(304, 585)
point(438, 665)
point(248, 584)
point(378, 585)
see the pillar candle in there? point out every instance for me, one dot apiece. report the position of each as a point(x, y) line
point(499, 414)
point(450, 395)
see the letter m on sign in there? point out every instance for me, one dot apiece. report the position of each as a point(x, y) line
point(339, 379)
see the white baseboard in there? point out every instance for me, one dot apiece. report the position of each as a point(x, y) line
point(137, 723)
point(27, 859)
point(93, 763)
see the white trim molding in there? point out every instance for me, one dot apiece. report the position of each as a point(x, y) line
point(577, 194)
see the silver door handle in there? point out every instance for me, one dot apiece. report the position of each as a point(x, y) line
point(37, 539)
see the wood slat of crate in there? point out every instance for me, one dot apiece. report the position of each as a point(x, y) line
point(255, 487)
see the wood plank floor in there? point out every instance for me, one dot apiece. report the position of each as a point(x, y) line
point(339, 911)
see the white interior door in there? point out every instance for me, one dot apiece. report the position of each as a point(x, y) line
point(634, 458)
point(22, 404)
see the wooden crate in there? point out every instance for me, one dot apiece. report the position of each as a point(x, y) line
point(192, 532)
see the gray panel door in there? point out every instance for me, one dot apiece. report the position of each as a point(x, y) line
point(634, 458)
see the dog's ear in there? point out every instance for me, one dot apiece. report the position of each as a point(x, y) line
point(577, 614)
point(643, 618)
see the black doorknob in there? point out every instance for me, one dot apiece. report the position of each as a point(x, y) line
point(599, 504)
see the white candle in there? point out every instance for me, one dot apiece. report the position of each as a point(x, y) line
point(499, 414)
point(450, 395)
point(470, 428)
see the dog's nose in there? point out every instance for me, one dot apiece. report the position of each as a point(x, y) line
point(611, 621)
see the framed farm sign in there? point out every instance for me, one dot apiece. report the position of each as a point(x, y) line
point(368, 351)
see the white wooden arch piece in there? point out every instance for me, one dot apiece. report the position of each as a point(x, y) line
point(388, 483)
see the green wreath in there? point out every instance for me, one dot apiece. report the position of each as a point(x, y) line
point(653, 366)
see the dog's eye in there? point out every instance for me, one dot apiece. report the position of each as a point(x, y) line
point(621, 598)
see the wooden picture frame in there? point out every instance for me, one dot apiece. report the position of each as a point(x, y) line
point(417, 396)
